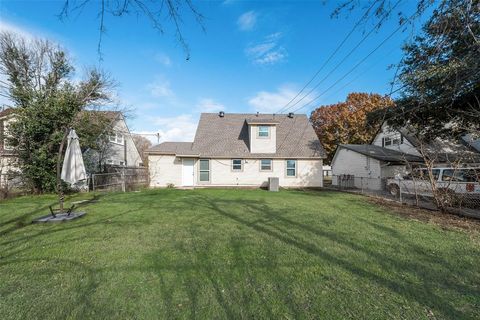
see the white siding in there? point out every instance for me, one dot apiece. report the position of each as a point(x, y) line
point(367, 171)
point(386, 131)
point(117, 151)
point(168, 169)
point(262, 144)
point(164, 170)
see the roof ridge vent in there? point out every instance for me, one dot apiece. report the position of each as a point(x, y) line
point(221, 114)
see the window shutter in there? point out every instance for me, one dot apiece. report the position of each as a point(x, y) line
point(401, 138)
point(383, 142)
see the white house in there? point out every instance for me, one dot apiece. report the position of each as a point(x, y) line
point(241, 150)
point(388, 155)
point(120, 150)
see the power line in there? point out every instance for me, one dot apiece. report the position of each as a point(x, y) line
point(359, 63)
point(330, 57)
point(361, 73)
point(347, 56)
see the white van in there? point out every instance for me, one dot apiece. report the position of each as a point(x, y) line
point(454, 181)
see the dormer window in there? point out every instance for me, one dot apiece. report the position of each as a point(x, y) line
point(263, 131)
point(392, 141)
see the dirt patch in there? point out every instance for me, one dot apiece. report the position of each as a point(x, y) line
point(445, 220)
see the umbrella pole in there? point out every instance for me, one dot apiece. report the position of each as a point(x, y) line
point(59, 179)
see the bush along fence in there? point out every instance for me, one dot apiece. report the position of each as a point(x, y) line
point(458, 197)
point(119, 179)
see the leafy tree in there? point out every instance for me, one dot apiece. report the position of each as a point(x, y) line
point(440, 75)
point(47, 103)
point(142, 145)
point(345, 122)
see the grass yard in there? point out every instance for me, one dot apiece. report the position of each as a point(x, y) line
point(165, 254)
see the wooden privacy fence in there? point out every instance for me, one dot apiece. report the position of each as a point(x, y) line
point(119, 179)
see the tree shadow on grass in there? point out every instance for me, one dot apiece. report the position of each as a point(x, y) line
point(281, 229)
point(79, 300)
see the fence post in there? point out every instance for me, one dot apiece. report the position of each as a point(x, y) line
point(361, 183)
point(93, 182)
point(123, 180)
point(400, 190)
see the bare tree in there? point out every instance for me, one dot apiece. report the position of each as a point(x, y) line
point(142, 145)
point(160, 13)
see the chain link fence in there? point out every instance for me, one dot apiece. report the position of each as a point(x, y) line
point(119, 179)
point(456, 197)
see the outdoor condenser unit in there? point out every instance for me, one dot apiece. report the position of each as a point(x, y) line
point(273, 184)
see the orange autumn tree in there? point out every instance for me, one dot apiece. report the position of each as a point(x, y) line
point(346, 122)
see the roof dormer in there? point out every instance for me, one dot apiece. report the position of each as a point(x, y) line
point(262, 135)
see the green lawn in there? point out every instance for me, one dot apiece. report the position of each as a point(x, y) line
point(164, 254)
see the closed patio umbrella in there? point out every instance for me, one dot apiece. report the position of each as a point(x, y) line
point(73, 170)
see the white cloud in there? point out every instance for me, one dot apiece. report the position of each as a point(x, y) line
point(163, 59)
point(268, 51)
point(209, 105)
point(271, 102)
point(12, 28)
point(160, 88)
point(179, 128)
point(247, 21)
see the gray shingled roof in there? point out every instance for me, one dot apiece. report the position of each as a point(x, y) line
point(382, 154)
point(261, 121)
point(228, 137)
point(176, 148)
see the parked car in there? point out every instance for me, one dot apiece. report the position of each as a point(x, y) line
point(461, 183)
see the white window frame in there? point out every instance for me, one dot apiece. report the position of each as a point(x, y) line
point(200, 170)
point(387, 141)
point(294, 168)
point(259, 132)
point(233, 165)
point(392, 141)
point(271, 165)
point(109, 161)
point(117, 137)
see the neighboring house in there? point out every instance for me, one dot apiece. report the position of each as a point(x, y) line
point(120, 149)
point(8, 160)
point(241, 150)
point(390, 153)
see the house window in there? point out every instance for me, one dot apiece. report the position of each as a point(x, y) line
point(109, 161)
point(204, 170)
point(266, 165)
point(237, 165)
point(263, 131)
point(122, 163)
point(291, 168)
point(388, 141)
point(117, 137)
point(392, 141)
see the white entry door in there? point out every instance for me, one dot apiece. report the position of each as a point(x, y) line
point(187, 172)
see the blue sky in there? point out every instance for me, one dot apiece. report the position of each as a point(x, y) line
point(253, 56)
